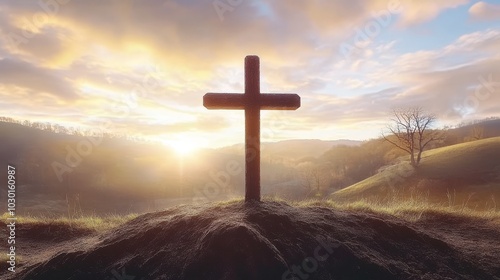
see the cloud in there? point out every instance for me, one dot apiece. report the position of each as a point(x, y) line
point(281, 31)
point(416, 12)
point(446, 81)
point(484, 11)
point(439, 80)
point(154, 127)
point(480, 42)
point(458, 90)
point(35, 79)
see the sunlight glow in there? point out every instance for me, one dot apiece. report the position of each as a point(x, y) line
point(183, 147)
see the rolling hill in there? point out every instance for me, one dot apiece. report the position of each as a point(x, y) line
point(483, 129)
point(464, 173)
point(55, 163)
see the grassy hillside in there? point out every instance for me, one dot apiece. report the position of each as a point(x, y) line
point(268, 240)
point(463, 173)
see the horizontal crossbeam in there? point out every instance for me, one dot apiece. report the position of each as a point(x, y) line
point(235, 101)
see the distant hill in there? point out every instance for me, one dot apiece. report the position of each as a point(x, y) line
point(474, 131)
point(463, 173)
point(56, 164)
point(295, 149)
point(117, 165)
point(114, 167)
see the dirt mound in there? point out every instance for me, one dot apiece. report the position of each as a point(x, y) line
point(52, 232)
point(272, 240)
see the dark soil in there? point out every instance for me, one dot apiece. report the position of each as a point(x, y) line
point(273, 240)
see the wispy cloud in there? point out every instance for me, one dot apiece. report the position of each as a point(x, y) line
point(484, 11)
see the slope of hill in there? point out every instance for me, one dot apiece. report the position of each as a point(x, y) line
point(468, 171)
point(269, 240)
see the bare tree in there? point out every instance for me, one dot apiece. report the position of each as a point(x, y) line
point(314, 178)
point(477, 132)
point(410, 131)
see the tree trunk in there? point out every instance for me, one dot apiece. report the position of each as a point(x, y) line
point(419, 157)
point(412, 160)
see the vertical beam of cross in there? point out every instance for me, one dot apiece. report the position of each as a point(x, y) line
point(252, 101)
point(252, 128)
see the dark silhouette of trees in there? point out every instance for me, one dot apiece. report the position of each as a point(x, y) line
point(411, 132)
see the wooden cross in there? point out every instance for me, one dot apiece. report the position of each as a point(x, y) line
point(252, 101)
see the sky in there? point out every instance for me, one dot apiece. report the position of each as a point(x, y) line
point(142, 67)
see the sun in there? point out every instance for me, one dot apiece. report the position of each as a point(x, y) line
point(182, 147)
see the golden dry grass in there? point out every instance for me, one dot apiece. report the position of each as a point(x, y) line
point(93, 223)
point(412, 209)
